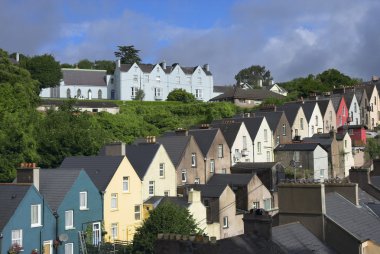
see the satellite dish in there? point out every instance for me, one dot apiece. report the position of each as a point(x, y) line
point(63, 237)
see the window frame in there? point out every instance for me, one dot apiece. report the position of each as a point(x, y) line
point(125, 182)
point(39, 221)
point(268, 201)
point(220, 151)
point(85, 200)
point(258, 147)
point(114, 231)
point(212, 166)
point(19, 239)
point(114, 201)
point(69, 215)
point(193, 160)
point(225, 222)
point(283, 129)
point(71, 248)
point(137, 213)
point(265, 135)
point(161, 170)
point(151, 186)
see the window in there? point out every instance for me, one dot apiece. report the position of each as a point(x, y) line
point(193, 159)
point(330, 116)
point(224, 171)
point(137, 212)
point(265, 135)
point(322, 173)
point(296, 132)
point(316, 120)
point(312, 130)
point(157, 92)
point(350, 131)
point(166, 193)
point(151, 188)
point(135, 78)
point(277, 140)
point(199, 81)
point(35, 215)
point(355, 107)
point(89, 94)
point(345, 143)
point(96, 233)
point(344, 111)
point(296, 156)
point(69, 248)
point(256, 205)
point(283, 130)
point(69, 219)
point(198, 93)
point(301, 123)
point(83, 200)
point(177, 79)
point(100, 94)
point(125, 184)
point(134, 92)
point(268, 156)
point(17, 237)
point(162, 170)
point(340, 121)
point(146, 78)
point(244, 142)
point(188, 80)
point(158, 79)
point(184, 176)
point(68, 93)
point(114, 230)
point(267, 204)
point(259, 147)
point(220, 151)
point(212, 166)
point(225, 222)
point(206, 202)
point(114, 201)
point(197, 180)
point(79, 93)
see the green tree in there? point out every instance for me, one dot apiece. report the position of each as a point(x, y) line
point(128, 54)
point(373, 148)
point(107, 65)
point(333, 78)
point(85, 64)
point(180, 95)
point(166, 218)
point(45, 69)
point(252, 75)
point(140, 94)
point(67, 65)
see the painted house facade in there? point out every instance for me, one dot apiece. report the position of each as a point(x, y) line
point(313, 117)
point(341, 109)
point(26, 220)
point(279, 125)
point(353, 108)
point(297, 119)
point(328, 114)
point(357, 134)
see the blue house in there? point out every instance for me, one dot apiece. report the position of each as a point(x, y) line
point(77, 205)
point(25, 219)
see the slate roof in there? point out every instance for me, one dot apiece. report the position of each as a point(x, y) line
point(153, 200)
point(220, 89)
point(273, 117)
point(248, 94)
point(359, 92)
point(323, 104)
point(375, 180)
point(204, 138)
point(348, 97)
point(209, 190)
point(250, 167)
point(175, 146)
point(335, 99)
point(296, 239)
point(99, 168)
point(10, 197)
point(345, 127)
point(291, 111)
point(180, 201)
point(81, 77)
point(141, 156)
point(252, 125)
point(297, 147)
point(229, 179)
point(82, 103)
point(56, 183)
point(354, 219)
point(148, 68)
point(229, 130)
point(375, 208)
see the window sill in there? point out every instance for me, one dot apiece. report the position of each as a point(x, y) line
point(84, 208)
point(225, 227)
point(70, 228)
point(126, 192)
point(114, 209)
point(35, 225)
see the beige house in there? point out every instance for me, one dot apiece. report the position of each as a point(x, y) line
point(328, 114)
point(345, 148)
point(121, 188)
point(373, 105)
point(297, 119)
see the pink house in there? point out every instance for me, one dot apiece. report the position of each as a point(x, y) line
point(341, 109)
point(357, 133)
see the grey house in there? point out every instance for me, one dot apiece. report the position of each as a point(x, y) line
point(279, 125)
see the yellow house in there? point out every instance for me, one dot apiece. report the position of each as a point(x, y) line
point(121, 190)
point(154, 168)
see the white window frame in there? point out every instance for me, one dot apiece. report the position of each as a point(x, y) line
point(265, 135)
point(266, 202)
point(245, 143)
point(259, 147)
point(146, 78)
point(83, 197)
point(256, 205)
point(96, 233)
point(283, 130)
point(114, 201)
point(167, 193)
point(138, 212)
point(220, 151)
point(184, 175)
point(157, 92)
point(198, 93)
point(69, 219)
point(212, 166)
point(301, 123)
point(225, 222)
point(135, 78)
point(178, 79)
point(151, 188)
point(69, 248)
point(193, 159)
point(162, 170)
point(188, 80)
point(316, 120)
point(268, 156)
point(134, 91)
point(17, 239)
point(125, 183)
point(38, 222)
point(114, 231)
point(158, 79)
point(277, 140)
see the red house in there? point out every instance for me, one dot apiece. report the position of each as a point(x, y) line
point(357, 133)
point(341, 109)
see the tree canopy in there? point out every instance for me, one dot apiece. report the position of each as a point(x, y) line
point(128, 54)
point(180, 95)
point(45, 69)
point(166, 218)
point(252, 75)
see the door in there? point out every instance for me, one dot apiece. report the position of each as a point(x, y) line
point(96, 233)
point(48, 247)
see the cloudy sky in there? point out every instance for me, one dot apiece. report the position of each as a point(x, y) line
point(292, 38)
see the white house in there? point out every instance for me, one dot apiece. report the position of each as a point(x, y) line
point(313, 116)
point(353, 108)
point(277, 89)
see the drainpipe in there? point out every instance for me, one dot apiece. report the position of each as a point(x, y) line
point(56, 229)
point(205, 162)
point(1, 240)
point(102, 199)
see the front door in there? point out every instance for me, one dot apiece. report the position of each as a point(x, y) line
point(48, 247)
point(96, 233)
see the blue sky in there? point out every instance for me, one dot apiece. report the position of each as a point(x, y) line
point(292, 38)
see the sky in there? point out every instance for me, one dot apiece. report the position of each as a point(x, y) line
point(291, 38)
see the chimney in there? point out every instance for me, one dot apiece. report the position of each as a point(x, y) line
point(17, 57)
point(151, 139)
point(360, 176)
point(204, 126)
point(163, 65)
point(375, 78)
point(118, 63)
point(194, 196)
point(181, 132)
point(347, 190)
point(332, 134)
point(206, 67)
point(258, 222)
point(113, 149)
point(29, 173)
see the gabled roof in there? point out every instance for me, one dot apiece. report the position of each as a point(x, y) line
point(229, 130)
point(307, 106)
point(247, 94)
point(99, 168)
point(354, 219)
point(291, 111)
point(56, 183)
point(209, 190)
point(10, 197)
point(220, 89)
point(348, 97)
point(360, 92)
point(375, 180)
point(296, 239)
point(204, 138)
point(230, 179)
point(273, 117)
point(375, 208)
point(323, 104)
point(141, 156)
point(281, 89)
point(148, 68)
point(336, 100)
point(297, 147)
point(253, 125)
point(175, 146)
point(82, 77)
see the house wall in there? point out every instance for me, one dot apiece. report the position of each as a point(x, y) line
point(161, 184)
point(266, 145)
point(363, 108)
point(124, 215)
point(329, 119)
point(341, 113)
point(81, 217)
point(237, 147)
point(256, 192)
point(370, 247)
point(339, 239)
point(227, 208)
point(198, 210)
point(32, 238)
point(315, 126)
point(283, 139)
point(373, 114)
point(296, 127)
point(186, 161)
point(213, 229)
point(244, 103)
point(320, 162)
point(354, 111)
point(221, 164)
point(359, 157)
point(345, 155)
